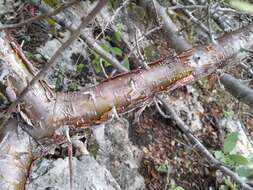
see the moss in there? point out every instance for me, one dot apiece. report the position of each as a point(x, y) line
point(73, 86)
point(93, 149)
point(52, 3)
point(137, 13)
point(151, 53)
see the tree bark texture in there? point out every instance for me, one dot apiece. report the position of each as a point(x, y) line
point(122, 92)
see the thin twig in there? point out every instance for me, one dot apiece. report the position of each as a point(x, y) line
point(200, 147)
point(187, 7)
point(192, 17)
point(143, 61)
point(209, 21)
point(39, 17)
point(142, 37)
point(65, 45)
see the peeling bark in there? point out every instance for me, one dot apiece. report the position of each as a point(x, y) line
point(15, 157)
point(93, 105)
point(127, 90)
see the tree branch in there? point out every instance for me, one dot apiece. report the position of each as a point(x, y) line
point(173, 35)
point(85, 21)
point(200, 147)
point(237, 89)
point(124, 91)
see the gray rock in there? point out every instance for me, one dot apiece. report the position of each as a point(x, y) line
point(88, 175)
point(120, 156)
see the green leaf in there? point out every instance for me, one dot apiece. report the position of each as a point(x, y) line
point(29, 55)
point(219, 155)
point(163, 168)
point(117, 36)
point(126, 63)
point(242, 6)
point(238, 159)
point(230, 142)
point(250, 158)
point(51, 22)
point(244, 171)
point(52, 3)
point(116, 51)
point(178, 188)
point(80, 67)
point(97, 66)
point(106, 47)
point(106, 63)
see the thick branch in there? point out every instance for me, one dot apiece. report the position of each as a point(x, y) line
point(122, 92)
point(93, 105)
point(237, 89)
point(85, 21)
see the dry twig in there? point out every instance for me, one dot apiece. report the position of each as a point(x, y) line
point(201, 148)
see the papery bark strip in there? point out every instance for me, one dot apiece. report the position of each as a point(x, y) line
point(92, 106)
point(127, 90)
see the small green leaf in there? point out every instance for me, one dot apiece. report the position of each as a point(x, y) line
point(242, 6)
point(178, 188)
point(51, 22)
point(106, 63)
point(116, 51)
point(29, 55)
point(105, 47)
point(73, 86)
point(239, 159)
point(244, 171)
point(52, 3)
point(162, 168)
point(126, 63)
point(117, 36)
point(219, 155)
point(97, 66)
point(230, 142)
point(80, 67)
point(250, 157)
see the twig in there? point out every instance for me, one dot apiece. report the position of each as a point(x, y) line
point(193, 18)
point(65, 45)
point(209, 21)
point(39, 17)
point(102, 67)
point(143, 61)
point(187, 7)
point(142, 37)
point(159, 109)
point(200, 147)
point(105, 55)
point(178, 42)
